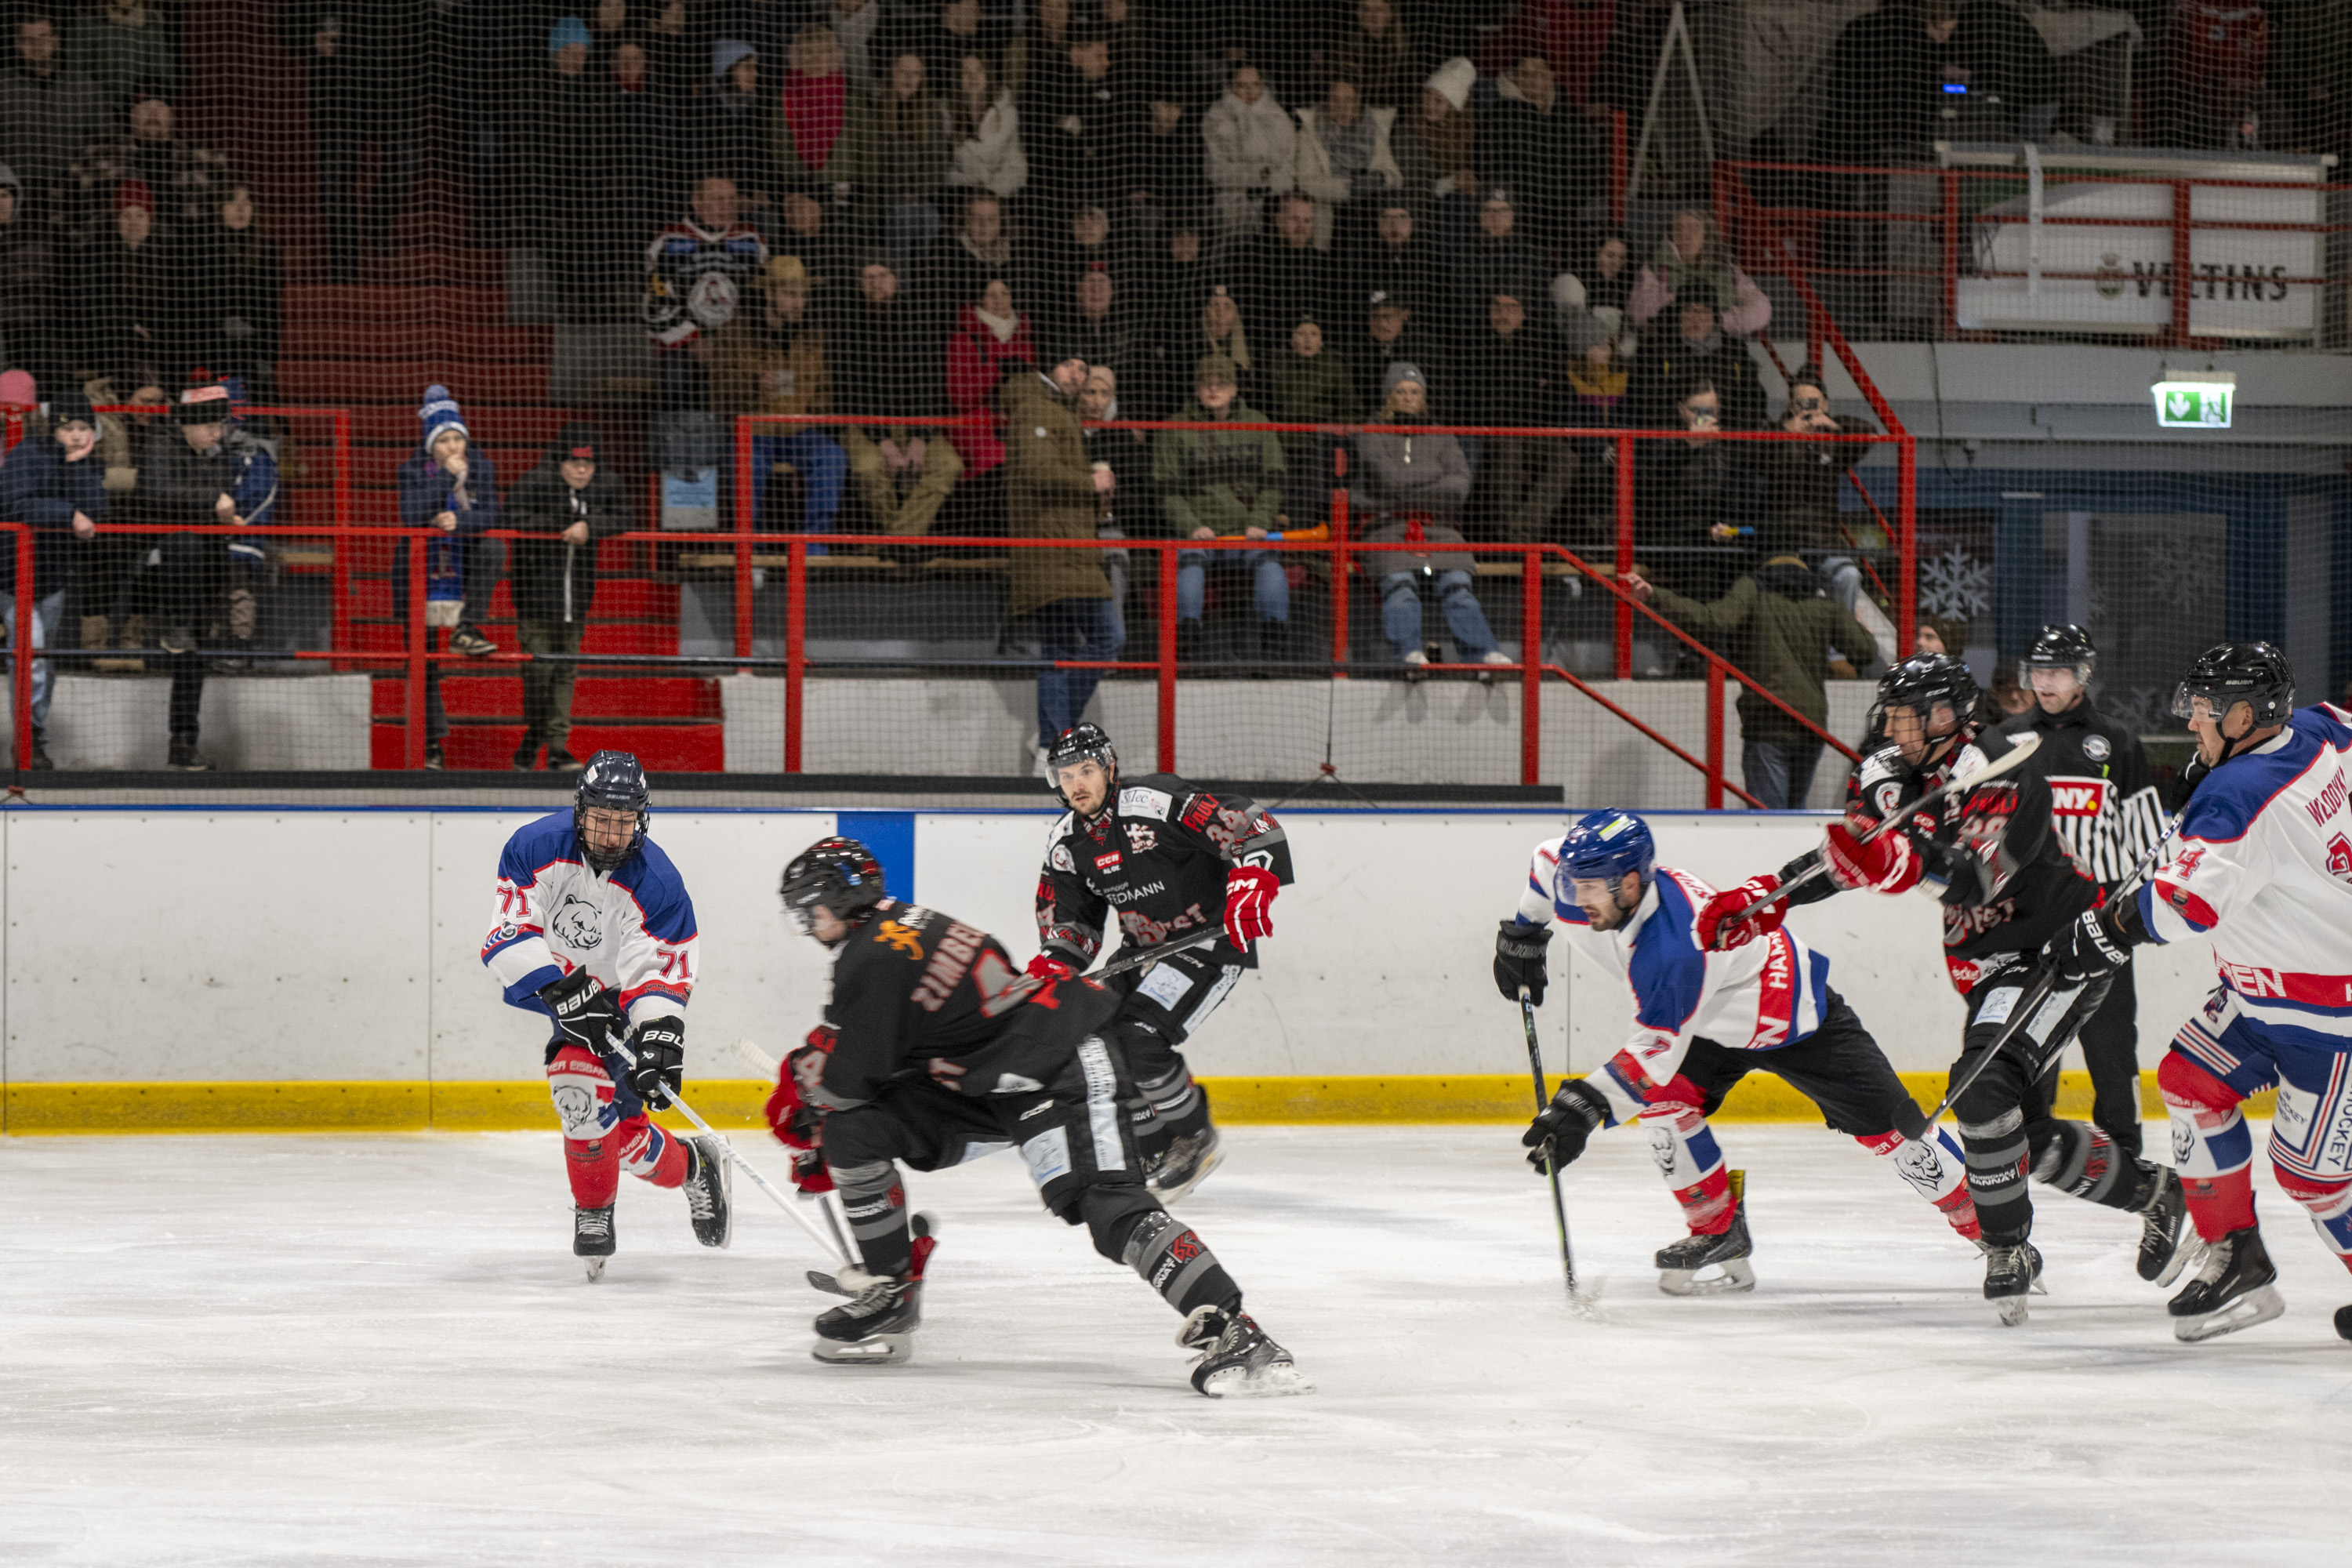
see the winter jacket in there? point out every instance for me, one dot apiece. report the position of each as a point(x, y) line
point(1520, 379)
point(1319, 391)
point(179, 485)
point(1802, 481)
point(735, 135)
point(914, 147)
point(848, 161)
point(1779, 626)
point(747, 354)
point(978, 364)
point(885, 363)
point(45, 121)
point(1250, 149)
point(1226, 481)
point(1049, 493)
point(1431, 155)
point(990, 158)
point(1084, 164)
point(27, 270)
point(426, 491)
point(1667, 362)
point(1313, 172)
point(1393, 476)
point(1548, 162)
point(37, 486)
point(551, 580)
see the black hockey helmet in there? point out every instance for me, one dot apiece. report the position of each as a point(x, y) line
point(1080, 743)
point(2063, 647)
point(612, 781)
point(840, 874)
point(2234, 672)
point(1927, 679)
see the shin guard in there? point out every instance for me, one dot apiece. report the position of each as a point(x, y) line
point(874, 1201)
point(2081, 1161)
point(583, 1092)
point(2211, 1147)
point(1996, 1154)
point(651, 1154)
point(1171, 1258)
point(1689, 1158)
point(1937, 1170)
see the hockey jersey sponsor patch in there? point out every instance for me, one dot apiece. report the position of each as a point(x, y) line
point(1166, 985)
point(1107, 862)
point(2077, 797)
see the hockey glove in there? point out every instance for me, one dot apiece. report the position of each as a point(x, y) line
point(2086, 950)
point(660, 1072)
point(1886, 864)
point(1249, 898)
point(1718, 930)
point(2185, 783)
point(1049, 969)
point(1520, 951)
point(797, 1124)
point(1558, 1134)
point(584, 1011)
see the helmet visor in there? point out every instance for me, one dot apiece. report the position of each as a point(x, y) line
point(2196, 702)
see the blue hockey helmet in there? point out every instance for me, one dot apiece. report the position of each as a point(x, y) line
point(612, 781)
point(1607, 843)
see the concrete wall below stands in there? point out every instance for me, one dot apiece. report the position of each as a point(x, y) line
point(1389, 731)
point(316, 721)
point(171, 957)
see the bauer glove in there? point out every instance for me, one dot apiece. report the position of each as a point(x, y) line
point(660, 1072)
point(1721, 925)
point(1520, 951)
point(1558, 1133)
point(1249, 900)
point(2085, 950)
point(584, 1011)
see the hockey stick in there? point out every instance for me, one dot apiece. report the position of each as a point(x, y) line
point(1551, 1167)
point(741, 1163)
point(749, 1049)
point(1126, 962)
point(2021, 747)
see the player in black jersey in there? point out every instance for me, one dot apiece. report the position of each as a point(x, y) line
point(2007, 886)
point(935, 1050)
point(1172, 862)
point(2107, 813)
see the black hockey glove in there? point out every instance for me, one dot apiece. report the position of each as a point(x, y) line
point(660, 1072)
point(584, 1011)
point(2185, 783)
point(1560, 1131)
point(1519, 960)
point(2088, 949)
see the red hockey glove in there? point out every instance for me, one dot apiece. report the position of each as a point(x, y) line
point(1249, 900)
point(798, 1125)
point(1048, 968)
point(1886, 864)
point(1717, 929)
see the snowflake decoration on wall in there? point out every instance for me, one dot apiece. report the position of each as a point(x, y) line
point(1953, 586)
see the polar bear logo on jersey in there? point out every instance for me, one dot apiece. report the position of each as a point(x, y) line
point(576, 923)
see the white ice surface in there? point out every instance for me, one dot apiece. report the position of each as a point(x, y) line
point(285, 1350)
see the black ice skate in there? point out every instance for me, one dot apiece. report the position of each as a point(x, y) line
point(709, 1189)
point(877, 1325)
point(1185, 1165)
point(591, 1237)
point(2231, 1291)
point(2010, 1274)
point(1678, 1265)
point(1237, 1359)
point(2167, 1242)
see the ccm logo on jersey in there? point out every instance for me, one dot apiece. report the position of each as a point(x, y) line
point(1107, 862)
point(2077, 797)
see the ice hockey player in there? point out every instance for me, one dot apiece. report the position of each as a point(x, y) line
point(1771, 1000)
point(2263, 870)
point(2007, 886)
point(1172, 861)
point(2108, 814)
point(934, 1051)
point(594, 928)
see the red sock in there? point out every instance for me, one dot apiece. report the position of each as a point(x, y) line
point(595, 1166)
point(651, 1154)
point(1706, 1203)
point(2219, 1204)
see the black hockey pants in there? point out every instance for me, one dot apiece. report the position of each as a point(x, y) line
point(1165, 1003)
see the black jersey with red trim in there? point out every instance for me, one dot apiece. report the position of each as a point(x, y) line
point(2006, 881)
point(1158, 856)
point(916, 992)
point(2104, 802)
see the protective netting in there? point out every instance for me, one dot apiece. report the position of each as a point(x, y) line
point(755, 272)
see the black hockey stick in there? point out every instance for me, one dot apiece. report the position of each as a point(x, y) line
point(1551, 1166)
point(1126, 962)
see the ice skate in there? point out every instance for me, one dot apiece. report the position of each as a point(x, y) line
point(2010, 1275)
point(1185, 1165)
point(1237, 1359)
point(2233, 1290)
point(923, 1226)
point(1679, 1264)
point(592, 1238)
point(2166, 1241)
point(877, 1325)
point(709, 1189)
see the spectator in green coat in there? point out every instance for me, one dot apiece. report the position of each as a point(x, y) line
point(1212, 483)
point(1309, 384)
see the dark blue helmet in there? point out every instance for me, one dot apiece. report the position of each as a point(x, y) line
point(1607, 843)
point(612, 781)
point(839, 873)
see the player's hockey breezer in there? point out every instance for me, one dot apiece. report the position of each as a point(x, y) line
point(595, 930)
point(1704, 1020)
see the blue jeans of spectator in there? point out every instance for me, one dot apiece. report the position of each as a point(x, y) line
point(1779, 774)
point(1464, 621)
point(47, 612)
point(1071, 629)
point(822, 465)
point(1269, 587)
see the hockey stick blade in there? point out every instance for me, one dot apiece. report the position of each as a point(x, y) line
point(2021, 747)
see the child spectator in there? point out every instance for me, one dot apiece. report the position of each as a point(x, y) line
point(568, 503)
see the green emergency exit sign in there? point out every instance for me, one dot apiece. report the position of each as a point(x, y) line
point(2196, 400)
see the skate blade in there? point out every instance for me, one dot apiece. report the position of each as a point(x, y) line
point(2189, 1254)
point(1176, 1194)
point(1737, 1275)
point(2259, 1305)
point(881, 1350)
point(1265, 1382)
point(2012, 1310)
point(596, 1269)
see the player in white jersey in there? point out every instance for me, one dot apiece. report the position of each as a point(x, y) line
point(1704, 1020)
point(2262, 871)
point(594, 930)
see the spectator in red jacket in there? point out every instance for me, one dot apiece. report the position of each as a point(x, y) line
point(990, 332)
